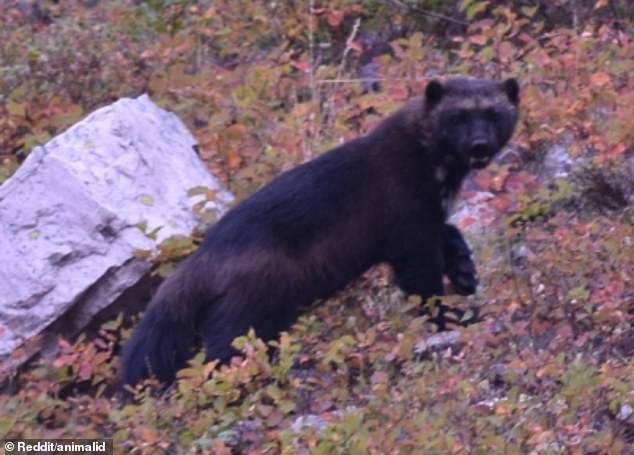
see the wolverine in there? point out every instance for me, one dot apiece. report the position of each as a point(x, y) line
point(381, 198)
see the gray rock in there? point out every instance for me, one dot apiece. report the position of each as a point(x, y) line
point(317, 422)
point(557, 162)
point(438, 342)
point(625, 412)
point(70, 219)
point(477, 211)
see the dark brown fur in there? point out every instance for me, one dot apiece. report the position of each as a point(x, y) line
point(380, 198)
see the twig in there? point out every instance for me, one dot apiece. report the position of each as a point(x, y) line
point(348, 48)
point(425, 12)
point(330, 107)
point(311, 46)
point(516, 286)
point(312, 125)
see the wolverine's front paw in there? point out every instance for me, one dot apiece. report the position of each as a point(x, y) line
point(463, 276)
point(459, 266)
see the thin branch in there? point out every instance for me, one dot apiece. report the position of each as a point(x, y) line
point(330, 106)
point(424, 12)
point(311, 78)
point(349, 41)
point(311, 43)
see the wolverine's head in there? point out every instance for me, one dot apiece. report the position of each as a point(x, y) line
point(472, 119)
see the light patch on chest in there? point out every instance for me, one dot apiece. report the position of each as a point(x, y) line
point(447, 200)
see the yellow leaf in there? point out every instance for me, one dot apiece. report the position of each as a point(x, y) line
point(476, 9)
point(487, 54)
point(146, 199)
point(530, 12)
point(15, 109)
point(600, 4)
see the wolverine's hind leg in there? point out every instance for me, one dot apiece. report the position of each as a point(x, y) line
point(237, 313)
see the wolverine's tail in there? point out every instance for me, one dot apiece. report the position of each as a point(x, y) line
point(166, 336)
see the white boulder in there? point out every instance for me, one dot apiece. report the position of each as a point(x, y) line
point(73, 215)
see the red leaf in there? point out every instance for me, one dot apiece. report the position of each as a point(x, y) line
point(303, 65)
point(618, 149)
point(483, 179)
point(335, 18)
point(356, 46)
point(64, 360)
point(501, 204)
point(62, 343)
point(85, 371)
point(478, 39)
point(600, 79)
point(466, 222)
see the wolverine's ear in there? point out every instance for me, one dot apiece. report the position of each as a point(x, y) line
point(512, 90)
point(433, 93)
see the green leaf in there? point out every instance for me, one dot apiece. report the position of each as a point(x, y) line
point(465, 4)
point(152, 234)
point(487, 54)
point(614, 406)
point(146, 199)
point(6, 423)
point(528, 11)
point(197, 190)
point(16, 109)
point(164, 270)
point(114, 324)
point(476, 9)
point(578, 293)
